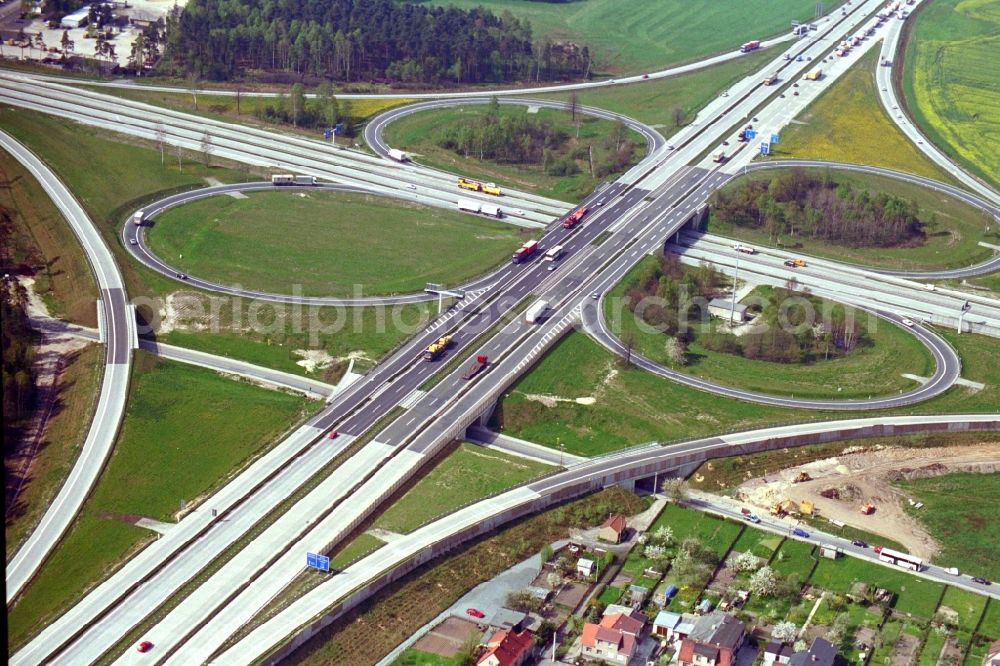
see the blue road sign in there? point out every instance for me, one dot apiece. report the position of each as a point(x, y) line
point(328, 133)
point(765, 147)
point(751, 134)
point(774, 138)
point(320, 562)
point(339, 128)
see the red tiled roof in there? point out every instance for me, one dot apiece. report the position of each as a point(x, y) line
point(615, 522)
point(507, 646)
point(589, 635)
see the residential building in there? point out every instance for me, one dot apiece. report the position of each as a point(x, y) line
point(665, 624)
point(776, 652)
point(613, 529)
point(723, 308)
point(820, 653)
point(505, 618)
point(615, 639)
point(508, 648)
point(714, 641)
point(992, 657)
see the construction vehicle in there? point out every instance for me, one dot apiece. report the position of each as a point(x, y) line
point(750, 46)
point(802, 477)
point(491, 188)
point(476, 367)
point(436, 348)
point(814, 75)
point(807, 507)
point(868, 508)
point(476, 186)
point(573, 218)
point(795, 263)
point(524, 252)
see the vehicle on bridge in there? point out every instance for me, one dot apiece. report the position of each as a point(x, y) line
point(752, 45)
point(436, 348)
point(573, 218)
point(476, 186)
point(525, 252)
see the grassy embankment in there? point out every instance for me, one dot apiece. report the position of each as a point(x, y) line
point(632, 407)
point(338, 243)
point(184, 419)
point(871, 370)
point(961, 511)
point(953, 228)
point(418, 134)
point(652, 34)
point(113, 175)
point(951, 82)
point(36, 235)
point(846, 123)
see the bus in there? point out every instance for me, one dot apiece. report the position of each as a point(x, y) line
point(904, 560)
point(553, 254)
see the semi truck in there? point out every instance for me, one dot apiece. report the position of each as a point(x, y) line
point(752, 45)
point(771, 80)
point(472, 206)
point(398, 155)
point(476, 367)
point(573, 218)
point(436, 348)
point(814, 75)
point(534, 314)
point(476, 186)
point(745, 249)
point(524, 252)
point(289, 179)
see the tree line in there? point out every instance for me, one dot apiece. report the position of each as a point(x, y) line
point(795, 203)
point(362, 40)
point(19, 390)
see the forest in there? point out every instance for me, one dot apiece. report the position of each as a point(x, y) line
point(789, 325)
point(362, 40)
point(795, 203)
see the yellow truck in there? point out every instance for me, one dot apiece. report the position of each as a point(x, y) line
point(814, 75)
point(436, 348)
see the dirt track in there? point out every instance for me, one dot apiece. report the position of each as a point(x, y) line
point(867, 476)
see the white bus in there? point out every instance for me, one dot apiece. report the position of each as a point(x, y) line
point(553, 254)
point(904, 560)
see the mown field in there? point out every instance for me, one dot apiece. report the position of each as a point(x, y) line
point(339, 244)
point(968, 529)
point(871, 370)
point(953, 228)
point(187, 421)
point(846, 123)
point(653, 34)
point(952, 83)
point(418, 134)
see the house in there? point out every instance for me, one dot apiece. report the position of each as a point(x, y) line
point(616, 608)
point(776, 652)
point(820, 653)
point(613, 529)
point(665, 624)
point(992, 657)
point(638, 593)
point(508, 648)
point(507, 619)
point(585, 567)
point(615, 639)
point(723, 307)
point(714, 641)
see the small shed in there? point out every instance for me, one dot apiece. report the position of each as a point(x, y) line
point(613, 529)
point(585, 567)
point(723, 307)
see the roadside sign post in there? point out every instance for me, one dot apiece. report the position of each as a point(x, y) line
point(316, 561)
point(765, 148)
point(774, 138)
point(751, 134)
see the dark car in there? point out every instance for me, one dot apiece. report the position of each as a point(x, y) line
point(799, 532)
point(145, 646)
point(859, 543)
point(980, 580)
point(182, 276)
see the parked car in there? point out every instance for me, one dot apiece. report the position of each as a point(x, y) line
point(475, 612)
point(859, 543)
point(145, 646)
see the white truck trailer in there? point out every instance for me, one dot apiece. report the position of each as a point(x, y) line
point(534, 314)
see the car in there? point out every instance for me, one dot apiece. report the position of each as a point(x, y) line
point(725, 93)
point(552, 267)
point(809, 57)
point(613, 81)
point(670, 147)
point(798, 59)
point(782, 95)
point(595, 295)
point(755, 118)
point(144, 646)
point(980, 580)
point(600, 202)
point(645, 76)
point(788, 56)
point(795, 85)
point(799, 532)
point(754, 518)
point(790, 263)
point(132, 241)
point(475, 612)
point(182, 276)
point(725, 143)
point(518, 211)
point(907, 322)
point(796, 93)
point(332, 435)
point(859, 543)
point(411, 186)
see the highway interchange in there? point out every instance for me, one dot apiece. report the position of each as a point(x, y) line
point(384, 443)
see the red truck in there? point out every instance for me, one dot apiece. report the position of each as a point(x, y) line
point(525, 251)
point(573, 218)
point(476, 367)
point(750, 46)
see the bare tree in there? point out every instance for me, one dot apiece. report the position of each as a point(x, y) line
point(161, 138)
point(206, 149)
point(180, 162)
point(678, 116)
point(574, 105)
point(629, 340)
point(194, 81)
